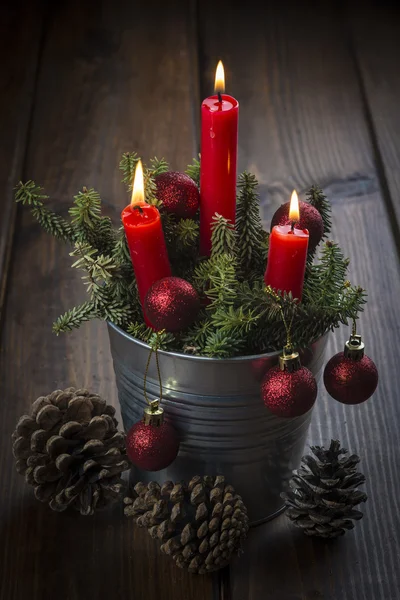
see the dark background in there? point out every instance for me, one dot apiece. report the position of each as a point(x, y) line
point(82, 82)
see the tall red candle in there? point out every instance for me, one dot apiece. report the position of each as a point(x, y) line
point(287, 255)
point(145, 238)
point(219, 139)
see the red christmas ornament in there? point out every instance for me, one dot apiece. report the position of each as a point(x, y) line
point(351, 377)
point(289, 390)
point(310, 218)
point(152, 444)
point(172, 304)
point(179, 194)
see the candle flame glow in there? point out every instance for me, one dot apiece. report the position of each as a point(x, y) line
point(294, 211)
point(138, 186)
point(219, 78)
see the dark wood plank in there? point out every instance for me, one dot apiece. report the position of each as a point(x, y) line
point(375, 33)
point(20, 37)
point(113, 77)
point(302, 121)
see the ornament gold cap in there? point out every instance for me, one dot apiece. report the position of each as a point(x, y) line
point(153, 414)
point(289, 360)
point(354, 347)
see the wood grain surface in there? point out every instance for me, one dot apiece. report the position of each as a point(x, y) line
point(376, 44)
point(302, 121)
point(318, 89)
point(21, 29)
point(111, 79)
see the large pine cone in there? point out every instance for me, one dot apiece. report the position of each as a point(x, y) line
point(201, 525)
point(70, 451)
point(324, 492)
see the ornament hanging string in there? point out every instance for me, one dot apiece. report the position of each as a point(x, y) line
point(288, 348)
point(153, 349)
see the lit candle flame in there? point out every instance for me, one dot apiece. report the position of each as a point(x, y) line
point(138, 186)
point(219, 86)
point(294, 211)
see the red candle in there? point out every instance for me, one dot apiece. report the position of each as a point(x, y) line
point(219, 138)
point(145, 238)
point(287, 254)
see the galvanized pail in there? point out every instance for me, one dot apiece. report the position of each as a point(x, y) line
point(224, 426)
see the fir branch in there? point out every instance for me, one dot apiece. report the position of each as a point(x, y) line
point(251, 236)
point(221, 285)
point(121, 249)
point(221, 345)
point(88, 223)
point(30, 194)
point(158, 166)
point(162, 339)
point(196, 336)
point(115, 311)
point(127, 165)
point(325, 280)
point(240, 316)
point(99, 271)
point(140, 331)
point(87, 208)
point(317, 198)
point(193, 170)
point(73, 319)
point(53, 224)
point(235, 321)
point(187, 233)
point(222, 236)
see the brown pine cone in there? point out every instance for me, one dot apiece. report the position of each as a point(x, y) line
point(323, 493)
point(201, 525)
point(71, 452)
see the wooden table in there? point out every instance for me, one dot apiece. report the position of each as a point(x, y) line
point(319, 90)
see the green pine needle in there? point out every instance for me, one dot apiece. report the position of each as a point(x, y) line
point(317, 198)
point(193, 170)
point(30, 194)
point(239, 315)
point(223, 237)
point(75, 317)
point(251, 236)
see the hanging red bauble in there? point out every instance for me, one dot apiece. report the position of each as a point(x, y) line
point(310, 218)
point(152, 444)
point(289, 390)
point(178, 193)
point(351, 377)
point(172, 304)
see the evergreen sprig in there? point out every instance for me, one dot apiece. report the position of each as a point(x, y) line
point(239, 315)
point(193, 170)
point(317, 198)
point(32, 195)
point(251, 237)
point(223, 238)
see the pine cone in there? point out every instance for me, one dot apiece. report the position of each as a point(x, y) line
point(324, 492)
point(201, 525)
point(70, 451)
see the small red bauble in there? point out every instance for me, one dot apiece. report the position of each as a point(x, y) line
point(289, 394)
point(178, 193)
point(350, 381)
point(310, 218)
point(152, 447)
point(172, 304)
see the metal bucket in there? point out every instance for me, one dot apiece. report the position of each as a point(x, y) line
point(224, 426)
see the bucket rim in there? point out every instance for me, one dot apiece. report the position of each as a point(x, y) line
point(205, 359)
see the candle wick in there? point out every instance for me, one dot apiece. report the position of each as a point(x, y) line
point(293, 224)
point(138, 207)
point(219, 97)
